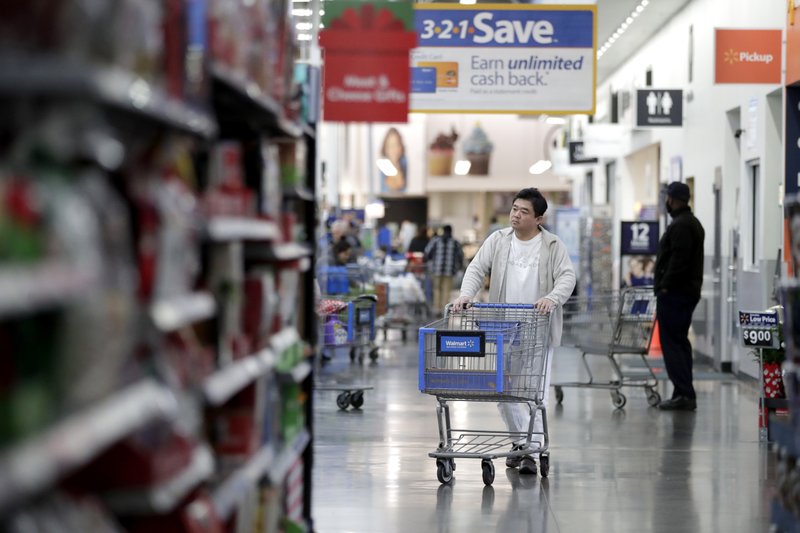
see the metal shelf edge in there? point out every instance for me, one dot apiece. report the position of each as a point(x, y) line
point(288, 456)
point(230, 492)
point(222, 229)
point(26, 289)
point(168, 495)
point(226, 382)
point(33, 465)
point(174, 313)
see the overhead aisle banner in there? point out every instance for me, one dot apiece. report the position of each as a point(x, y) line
point(500, 58)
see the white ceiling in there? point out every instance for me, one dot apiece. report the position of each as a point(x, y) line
point(610, 14)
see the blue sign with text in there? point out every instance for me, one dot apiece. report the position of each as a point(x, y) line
point(460, 343)
point(639, 238)
point(526, 28)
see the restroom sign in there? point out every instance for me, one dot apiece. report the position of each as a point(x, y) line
point(659, 108)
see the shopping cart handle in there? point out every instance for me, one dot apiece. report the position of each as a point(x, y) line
point(367, 297)
point(502, 306)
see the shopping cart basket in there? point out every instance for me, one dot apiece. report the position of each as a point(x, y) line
point(347, 323)
point(613, 325)
point(351, 279)
point(486, 353)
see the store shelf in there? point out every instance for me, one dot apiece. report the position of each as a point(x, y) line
point(165, 497)
point(37, 463)
point(31, 288)
point(284, 339)
point(297, 374)
point(114, 86)
point(265, 463)
point(242, 99)
point(309, 131)
point(296, 191)
point(226, 382)
point(223, 229)
point(171, 314)
point(281, 465)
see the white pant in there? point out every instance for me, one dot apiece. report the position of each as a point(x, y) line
point(517, 416)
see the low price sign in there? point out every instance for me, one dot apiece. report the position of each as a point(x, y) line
point(496, 58)
point(759, 330)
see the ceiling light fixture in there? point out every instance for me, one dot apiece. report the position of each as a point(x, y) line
point(462, 167)
point(622, 27)
point(540, 167)
point(386, 166)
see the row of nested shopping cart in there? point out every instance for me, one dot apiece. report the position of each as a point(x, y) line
point(356, 302)
point(499, 353)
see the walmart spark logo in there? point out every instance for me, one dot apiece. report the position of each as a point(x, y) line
point(731, 56)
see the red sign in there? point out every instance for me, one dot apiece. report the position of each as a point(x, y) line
point(793, 46)
point(366, 67)
point(748, 56)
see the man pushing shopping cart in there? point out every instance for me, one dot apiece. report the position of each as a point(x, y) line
point(531, 278)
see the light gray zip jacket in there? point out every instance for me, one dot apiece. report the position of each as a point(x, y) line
point(556, 275)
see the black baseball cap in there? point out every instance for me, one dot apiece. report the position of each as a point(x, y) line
point(679, 191)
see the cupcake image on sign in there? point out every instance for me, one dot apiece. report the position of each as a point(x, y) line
point(478, 150)
point(440, 154)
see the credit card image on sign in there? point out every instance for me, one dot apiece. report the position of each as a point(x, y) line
point(446, 73)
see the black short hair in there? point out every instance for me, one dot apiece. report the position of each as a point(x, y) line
point(341, 246)
point(447, 230)
point(536, 199)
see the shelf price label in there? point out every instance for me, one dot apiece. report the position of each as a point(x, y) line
point(759, 330)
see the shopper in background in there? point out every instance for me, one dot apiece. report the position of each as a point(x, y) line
point(493, 226)
point(420, 241)
point(678, 279)
point(528, 265)
point(445, 257)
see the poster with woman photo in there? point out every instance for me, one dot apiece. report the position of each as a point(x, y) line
point(402, 146)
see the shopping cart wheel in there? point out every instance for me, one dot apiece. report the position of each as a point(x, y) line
point(444, 471)
point(559, 394)
point(373, 354)
point(343, 400)
point(488, 471)
point(544, 464)
point(618, 399)
point(357, 399)
point(653, 398)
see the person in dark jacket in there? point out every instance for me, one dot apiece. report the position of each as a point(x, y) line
point(445, 257)
point(678, 279)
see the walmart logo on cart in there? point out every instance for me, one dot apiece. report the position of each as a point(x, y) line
point(460, 344)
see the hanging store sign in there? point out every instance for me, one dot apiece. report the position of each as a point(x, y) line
point(490, 58)
point(748, 56)
point(366, 76)
point(659, 107)
point(577, 154)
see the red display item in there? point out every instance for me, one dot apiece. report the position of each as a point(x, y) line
point(288, 221)
point(235, 431)
point(174, 46)
point(367, 83)
point(196, 516)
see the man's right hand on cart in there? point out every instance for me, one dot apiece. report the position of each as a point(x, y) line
point(462, 302)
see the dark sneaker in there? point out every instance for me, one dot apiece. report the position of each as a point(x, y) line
point(527, 466)
point(514, 460)
point(681, 403)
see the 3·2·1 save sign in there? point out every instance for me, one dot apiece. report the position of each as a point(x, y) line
point(496, 58)
point(365, 75)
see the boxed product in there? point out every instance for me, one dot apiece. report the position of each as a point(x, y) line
point(226, 279)
point(260, 306)
point(227, 193)
point(293, 162)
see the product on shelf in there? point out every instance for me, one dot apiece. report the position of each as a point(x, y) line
point(271, 193)
point(62, 513)
point(227, 194)
point(478, 150)
point(293, 162)
point(440, 154)
point(260, 306)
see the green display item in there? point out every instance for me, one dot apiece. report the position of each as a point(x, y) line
point(401, 10)
point(18, 243)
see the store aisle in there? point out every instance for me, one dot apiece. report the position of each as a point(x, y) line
point(636, 470)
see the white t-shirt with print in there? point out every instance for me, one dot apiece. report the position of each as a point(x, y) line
point(522, 273)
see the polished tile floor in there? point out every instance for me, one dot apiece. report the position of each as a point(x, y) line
point(633, 470)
